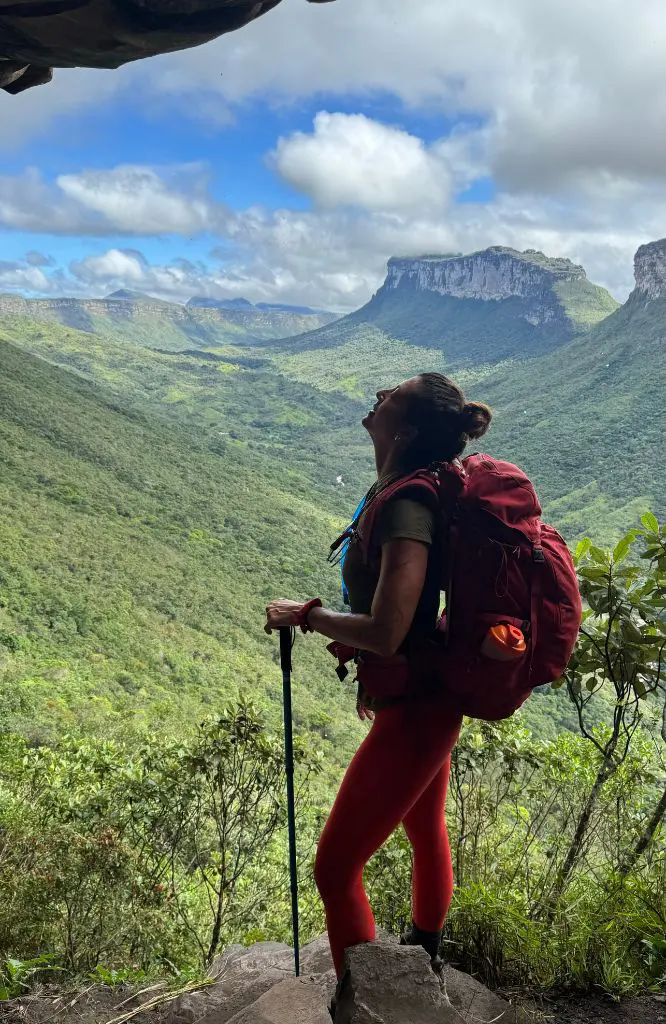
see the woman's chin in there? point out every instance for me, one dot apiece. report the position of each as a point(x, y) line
point(367, 421)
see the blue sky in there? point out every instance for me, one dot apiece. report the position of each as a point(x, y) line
point(290, 160)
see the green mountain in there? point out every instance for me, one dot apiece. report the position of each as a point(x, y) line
point(586, 421)
point(463, 311)
point(227, 392)
point(574, 394)
point(139, 318)
point(136, 558)
point(154, 499)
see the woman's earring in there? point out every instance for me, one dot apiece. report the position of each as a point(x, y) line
point(398, 437)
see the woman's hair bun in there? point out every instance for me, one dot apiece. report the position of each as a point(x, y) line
point(475, 417)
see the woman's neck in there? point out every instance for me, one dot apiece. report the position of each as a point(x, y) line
point(387, 464)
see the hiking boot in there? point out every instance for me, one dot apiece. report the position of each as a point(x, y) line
point(333, 1005)
point(430, 941)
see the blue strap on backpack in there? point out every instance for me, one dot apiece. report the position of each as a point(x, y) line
point(342, 544)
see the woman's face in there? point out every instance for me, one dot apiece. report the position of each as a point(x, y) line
point(386, 419)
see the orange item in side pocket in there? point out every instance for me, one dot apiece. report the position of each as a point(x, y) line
point(504, 643)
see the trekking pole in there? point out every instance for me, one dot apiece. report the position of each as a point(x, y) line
point(285, 662)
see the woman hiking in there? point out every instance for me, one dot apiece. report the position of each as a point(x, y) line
point(399, 774)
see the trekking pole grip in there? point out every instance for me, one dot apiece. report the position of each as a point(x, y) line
point(285, 649)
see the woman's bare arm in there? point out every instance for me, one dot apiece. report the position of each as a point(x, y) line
point(402, 575)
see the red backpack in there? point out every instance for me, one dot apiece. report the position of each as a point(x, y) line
point(500, 565)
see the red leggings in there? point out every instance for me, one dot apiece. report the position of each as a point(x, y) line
point(399, 774)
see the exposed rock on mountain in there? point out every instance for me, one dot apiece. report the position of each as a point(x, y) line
point(650, 270)
point(166, 325)
point(493, 274)
point(482, 308)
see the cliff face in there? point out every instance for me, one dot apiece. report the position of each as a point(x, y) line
point(152, 317)
point(493, 274)
point(481, 308)
point(66, 309)
point(650, 270)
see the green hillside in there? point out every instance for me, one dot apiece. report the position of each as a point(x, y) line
point(580, 419)
point(158, 487)
point(228, 393)
point(135, 563)
point(157, 499)
point(465, 330)
point(144, 320)
point(585, 421)
point(267, 449)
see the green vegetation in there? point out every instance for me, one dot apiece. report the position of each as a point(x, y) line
point(135, 564)
point(154, 500)
point(229, 393)
point(580, 418)
point(358, 366)
point(582, 422)
point(126, 859)
point(584, 303)
point(143, 320)
point(131, 859)
point(465, 331)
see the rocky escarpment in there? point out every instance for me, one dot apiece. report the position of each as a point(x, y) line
point(492, 274)
point(204, 302)
point(167, 324)
point(69, 310)
point(477, 309)
point(650, 270)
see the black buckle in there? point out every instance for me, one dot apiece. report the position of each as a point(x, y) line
point(538, 555)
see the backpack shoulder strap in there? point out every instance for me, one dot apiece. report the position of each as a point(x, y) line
point(423, 485)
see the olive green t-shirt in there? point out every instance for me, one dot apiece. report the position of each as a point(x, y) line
point(405, 518)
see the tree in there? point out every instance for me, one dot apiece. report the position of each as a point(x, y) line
point(620, 659)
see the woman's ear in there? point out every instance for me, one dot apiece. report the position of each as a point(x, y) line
point(408, 434)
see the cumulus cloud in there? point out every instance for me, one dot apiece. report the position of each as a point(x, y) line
point(567, 89)
point(19, 275)
point(365, 210)
point(350, 159)
point(128, 268)
point(565, 102)
point(336, 259)
point(128, 199)
point(137, 200)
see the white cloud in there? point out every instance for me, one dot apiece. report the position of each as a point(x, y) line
point(352, 160)
point(335, 259)
point(20, 275)
point(136, 200)
point(567, 89)
point(568, 101)
point(128, 199)
point(334, 255)
point(117, 267)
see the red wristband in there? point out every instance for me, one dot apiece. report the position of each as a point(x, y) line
point(302, 616)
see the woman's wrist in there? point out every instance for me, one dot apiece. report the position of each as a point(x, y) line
point(303, 618)
point(314, 617)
